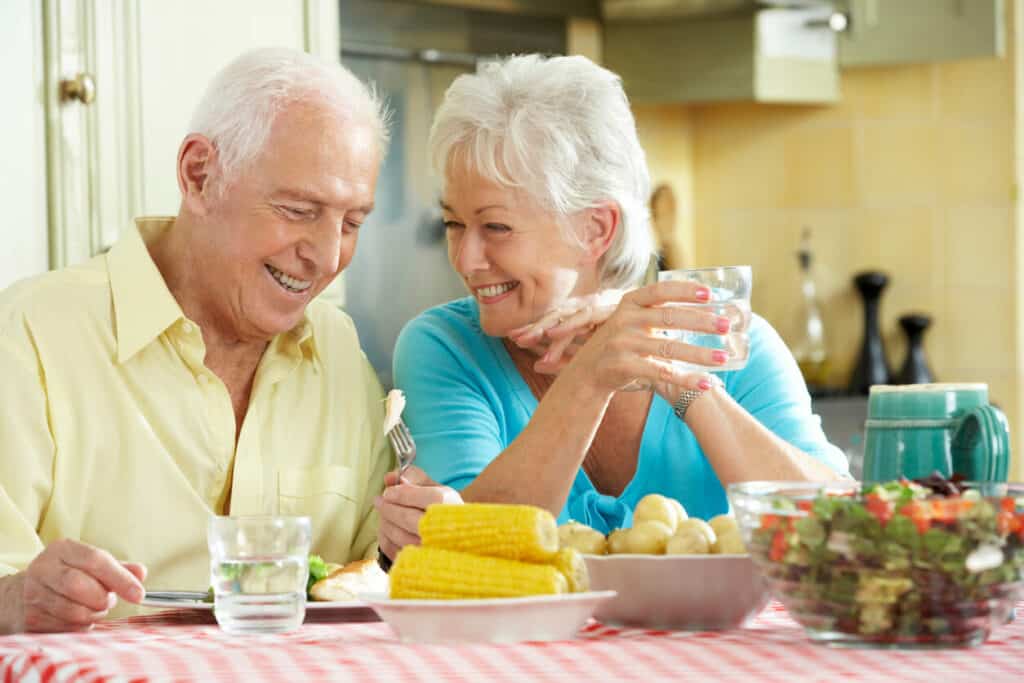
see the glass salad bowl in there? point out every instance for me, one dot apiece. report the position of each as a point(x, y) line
point(935, 563)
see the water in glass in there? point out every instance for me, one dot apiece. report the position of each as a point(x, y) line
point(259, 568)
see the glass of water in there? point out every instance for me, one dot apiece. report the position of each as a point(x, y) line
point(258, 568)
point(730, 298)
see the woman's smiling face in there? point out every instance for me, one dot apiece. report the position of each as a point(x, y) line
point(510, 252)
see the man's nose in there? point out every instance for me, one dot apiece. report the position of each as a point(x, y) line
point(323, 245)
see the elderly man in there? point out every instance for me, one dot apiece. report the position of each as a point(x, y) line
point(190, 371)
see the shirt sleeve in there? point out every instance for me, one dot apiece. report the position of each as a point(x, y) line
point(26, 451)
point(772, 389)
point(364, 544)
point(452, 412)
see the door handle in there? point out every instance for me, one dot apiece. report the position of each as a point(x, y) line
point(82, 88)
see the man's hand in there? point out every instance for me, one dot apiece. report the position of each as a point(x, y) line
point(403, 503)
point(68, 587)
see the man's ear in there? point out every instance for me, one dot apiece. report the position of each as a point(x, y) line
point(197, 161)
point(600, 225)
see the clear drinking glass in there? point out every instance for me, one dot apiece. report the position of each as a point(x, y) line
point(258, 568)
point(730, 298)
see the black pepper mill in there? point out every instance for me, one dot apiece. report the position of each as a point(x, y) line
point(872, 367)
point(915, 368)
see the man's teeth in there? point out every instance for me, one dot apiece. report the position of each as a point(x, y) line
point(288, 282)
point(495, 290)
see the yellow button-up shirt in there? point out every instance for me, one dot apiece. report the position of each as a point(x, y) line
point(114, 432)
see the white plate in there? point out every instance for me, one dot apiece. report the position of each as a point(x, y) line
point(498, 620)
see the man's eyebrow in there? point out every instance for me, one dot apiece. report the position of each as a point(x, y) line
point(313, 198)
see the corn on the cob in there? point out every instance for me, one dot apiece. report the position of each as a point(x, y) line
point(513, 532)
point(570, 562)
point(433, 573)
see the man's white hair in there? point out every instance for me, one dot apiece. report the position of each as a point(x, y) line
point(561, 130)
point(239, 107)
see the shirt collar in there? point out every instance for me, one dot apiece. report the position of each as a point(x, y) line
point(144, 307)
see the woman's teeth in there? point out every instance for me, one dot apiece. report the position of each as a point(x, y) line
point(287, 281)
point(495, 290)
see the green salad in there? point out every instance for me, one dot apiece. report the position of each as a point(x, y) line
point(903, 561)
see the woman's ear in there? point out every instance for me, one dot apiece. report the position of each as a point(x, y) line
point(601, 224)
point(197, 159)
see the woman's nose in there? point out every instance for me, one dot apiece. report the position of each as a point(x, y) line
point(468, 251)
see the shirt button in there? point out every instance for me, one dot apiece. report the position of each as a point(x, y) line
point(188, 328)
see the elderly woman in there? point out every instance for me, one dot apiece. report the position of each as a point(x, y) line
point(544, 201)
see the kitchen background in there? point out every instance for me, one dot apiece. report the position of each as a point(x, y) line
point(896, 142)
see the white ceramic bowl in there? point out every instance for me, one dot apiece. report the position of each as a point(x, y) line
point(500, 620)
point(679, 592)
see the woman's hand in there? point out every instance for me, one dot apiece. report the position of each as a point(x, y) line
point(402, 504)
point(558, 335)
point(628, 351)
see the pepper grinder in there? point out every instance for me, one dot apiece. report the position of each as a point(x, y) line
point(871, 367)
point(915, 368)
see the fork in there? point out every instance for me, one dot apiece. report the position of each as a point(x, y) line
point(403, 445)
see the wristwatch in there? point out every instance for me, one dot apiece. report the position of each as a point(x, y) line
point(687, 397)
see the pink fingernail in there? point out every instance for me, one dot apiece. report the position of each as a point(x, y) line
point(703, 385)
point(703, 294)
point(722, 325)
point(719, 356)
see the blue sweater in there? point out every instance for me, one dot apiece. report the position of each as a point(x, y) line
point(467, 402)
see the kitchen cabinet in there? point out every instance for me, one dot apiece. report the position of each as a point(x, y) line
point(121, 80)
point(763, 55)
point(912, 31)
point(693, 51)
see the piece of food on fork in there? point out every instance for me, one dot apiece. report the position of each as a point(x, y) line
point(394, 404)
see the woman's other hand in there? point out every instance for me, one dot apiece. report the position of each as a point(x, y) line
point(402, 504)
point(559, 334)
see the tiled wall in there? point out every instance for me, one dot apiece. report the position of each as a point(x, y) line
point(911, 173)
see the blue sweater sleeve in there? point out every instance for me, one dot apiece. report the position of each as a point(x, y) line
point(772, 389)
point(452, 408)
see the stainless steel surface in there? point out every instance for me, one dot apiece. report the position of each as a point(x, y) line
point(81, 88)
point(842, 419)
point(404, 54)
point(403, 445)
point(644, 10)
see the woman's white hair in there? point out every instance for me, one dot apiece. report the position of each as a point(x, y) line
point(239, 107)
point(561, 130)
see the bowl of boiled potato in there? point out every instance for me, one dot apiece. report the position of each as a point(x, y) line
point(671, 571)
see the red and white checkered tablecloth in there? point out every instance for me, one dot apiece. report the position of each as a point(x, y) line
point(188, 646)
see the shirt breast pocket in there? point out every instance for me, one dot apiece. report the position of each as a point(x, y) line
point(328, 495)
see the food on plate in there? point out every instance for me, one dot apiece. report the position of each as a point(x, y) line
point(512, 532)
point(689, 541)
point(723, 524)
point(729, 543)
point(617, 542)
point(570, 562)
point(648, 538)
point(699, 525)
point(904, 561)
point(394, 404)
point(660, 527)
point(421, 572)
point(660, 509)
point(259, 577)
point(581, 537)
point(484, 550)
point(347, 582)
